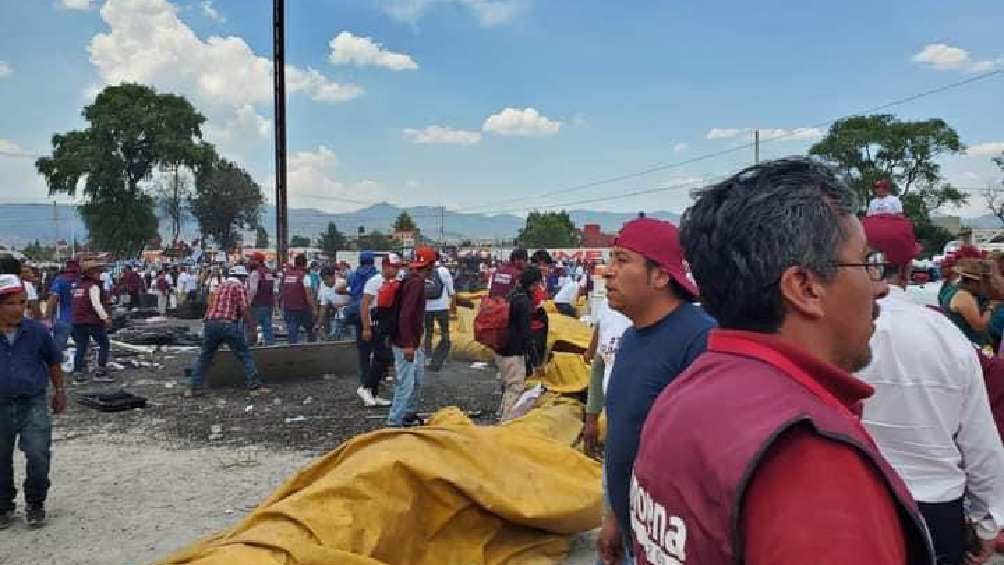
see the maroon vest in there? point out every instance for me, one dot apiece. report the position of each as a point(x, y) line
point(265, 293)
point(294, 296)
point(687, 508)
point(83, 310)
point(505, 279)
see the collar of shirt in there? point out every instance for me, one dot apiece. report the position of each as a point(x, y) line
point(831, 384)
point(18, 330)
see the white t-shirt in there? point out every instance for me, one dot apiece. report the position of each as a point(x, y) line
point(885, 205)
point(443, 302)
point(106, 281)
point(566, 294)
point(187, 282)
point(611, 325)
point(372, 288)
point(329, 296)
point(30, 293)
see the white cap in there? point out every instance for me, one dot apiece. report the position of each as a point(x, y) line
point(394, 259)
point(238, 271)
point(10, 284)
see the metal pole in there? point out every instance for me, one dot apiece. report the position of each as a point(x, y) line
point(756, 146)
point(279, 73)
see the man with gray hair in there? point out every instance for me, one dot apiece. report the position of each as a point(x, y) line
point(756, 454)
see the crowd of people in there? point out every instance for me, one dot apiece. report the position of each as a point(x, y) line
point(771, 392)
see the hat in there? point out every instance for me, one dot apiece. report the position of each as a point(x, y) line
point(881, 183)
point(393, 259)
point(972, 268)
point(424, 257)
point(893, 236)
point(257, 257)
point(366, 258)
point(238, 271)
point(10, 284)
point(658, 241)
point(91, 265)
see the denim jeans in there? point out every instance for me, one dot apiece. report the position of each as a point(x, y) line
point(407, 386)
point(263, 317)
point(61, 334)
point(231, 333)
point(82, 334)
point(441, 317)
point(295, 320)
point(27, 422)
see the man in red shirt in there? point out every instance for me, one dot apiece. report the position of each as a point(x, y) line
point(756, 453)
point(409, 360)
point(228, 311)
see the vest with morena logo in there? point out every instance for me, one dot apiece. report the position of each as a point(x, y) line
point(265, 293)
point(725, 411)
point(83, 310)
point(294, 295)
point(505, 279)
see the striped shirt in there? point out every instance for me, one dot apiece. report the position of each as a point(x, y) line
point(231, 302)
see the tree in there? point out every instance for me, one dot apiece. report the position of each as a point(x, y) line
point(548, 229)
point(261, 238)
point(869, 148)
point(994, 195)
point(376, 241)
point(331, 240)
point(226, 199)
point(404, 222)
point(299, 241)
point(131, 131)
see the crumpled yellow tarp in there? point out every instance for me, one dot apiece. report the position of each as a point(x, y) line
point(570, 334)
point(447, 493)
point(564, 373)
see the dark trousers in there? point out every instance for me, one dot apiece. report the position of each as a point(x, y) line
point(296, 320)
point(27, 422)
point(82, 334)
point(365, 350)
point(379, 362)
point(947, 523)
point(566, 309)
point(437, 357)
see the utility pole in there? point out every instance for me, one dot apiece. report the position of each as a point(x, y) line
point(442, 226)
point(756, 146)
point(279, 74)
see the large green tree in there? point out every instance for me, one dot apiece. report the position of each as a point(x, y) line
point(331, 240)
point(226, 199)
point(376, 241)
point(994, 195)
point(131, 130)
point(548, 229)
point(404, 222)
point(299, 241)
point(869, 148)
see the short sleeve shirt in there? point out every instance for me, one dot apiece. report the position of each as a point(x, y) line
point(885, 205)
point(372, 287)
point(25, 362)
point(443, 302)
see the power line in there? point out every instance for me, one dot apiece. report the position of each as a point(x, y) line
point(746, 146)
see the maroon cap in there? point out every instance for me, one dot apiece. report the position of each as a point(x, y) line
point(893, 235)
point(658, 241)
point(424, 256)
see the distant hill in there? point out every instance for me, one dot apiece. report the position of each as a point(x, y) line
point(21, 224)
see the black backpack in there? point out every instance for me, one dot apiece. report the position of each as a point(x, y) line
point(434, 286)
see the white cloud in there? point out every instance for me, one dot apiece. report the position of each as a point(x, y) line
point(527, 122)
point(723, 133)
point(211, 12)
point(77, 4)
point(944, 57)
point(313, 182)
point(10, 148)
point(680, 148)
point(442, 135)
point(489, 13)
point(992, 149)
point(146, 42)
point(244, 124)
point(348, 49)
point(5, 70)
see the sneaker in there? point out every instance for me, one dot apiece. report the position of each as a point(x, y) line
point(259, 390)
point(35, 516)
point(377, 401)
point(366, 396)
point(101, 376)
point(6, 518)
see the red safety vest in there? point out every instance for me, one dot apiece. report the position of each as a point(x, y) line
point(265, 293)
point(294, 296)
point(504, 280)
point(83, 310)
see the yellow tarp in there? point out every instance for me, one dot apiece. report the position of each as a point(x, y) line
point(564, 373)
point(447, 493)
point(571, 335)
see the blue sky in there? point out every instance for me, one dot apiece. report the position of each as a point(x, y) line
point(485, 104)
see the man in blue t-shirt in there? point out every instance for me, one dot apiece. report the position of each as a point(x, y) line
point(59, 307)
point(648, 282)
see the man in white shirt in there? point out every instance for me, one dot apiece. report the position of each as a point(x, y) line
point(930, 415)
point(566, 297)
point(375, 334)
point(187, 284)
point(332, 298)
point(437, 311)
point(884, 202)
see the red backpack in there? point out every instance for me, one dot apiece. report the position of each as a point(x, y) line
point(491, 324)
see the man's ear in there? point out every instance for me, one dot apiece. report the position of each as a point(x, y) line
point(802, 291)
point(659, 278)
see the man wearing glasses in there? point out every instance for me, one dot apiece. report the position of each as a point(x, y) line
point(930, 415)
point(756, 454)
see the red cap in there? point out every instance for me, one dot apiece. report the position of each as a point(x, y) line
point(258, 257)
point(424, 256)
point(658, 241)
point(893, 235)
point(10, 284)
point(881, 183)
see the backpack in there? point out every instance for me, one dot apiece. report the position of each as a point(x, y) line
point(491, 323)
point(434, 285)
point(388, 306)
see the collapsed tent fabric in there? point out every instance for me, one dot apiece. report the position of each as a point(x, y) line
point(564, 373)
point(450, 492)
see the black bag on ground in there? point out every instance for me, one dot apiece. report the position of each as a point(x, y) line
point(111, 402)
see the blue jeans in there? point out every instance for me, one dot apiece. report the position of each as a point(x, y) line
point(27, 421)
point(296, 319)
point(263, 317)
point(231, 333)
point(82, 334)
point(407, 386)
point(61, 334)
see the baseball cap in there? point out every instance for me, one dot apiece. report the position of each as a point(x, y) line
point(10, 284)
point(393, 259)
point(424, 256)
point(893, 236)
point(658, 241)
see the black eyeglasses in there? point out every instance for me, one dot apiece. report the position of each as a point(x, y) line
point(875, 265)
